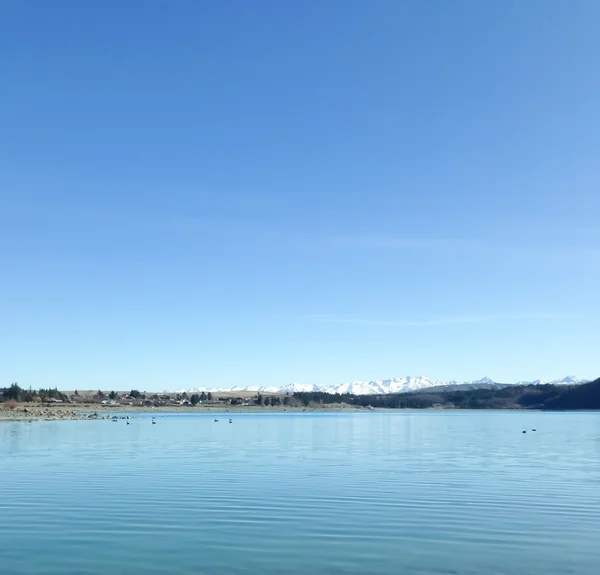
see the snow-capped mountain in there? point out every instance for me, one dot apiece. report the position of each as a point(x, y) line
point(393, 385)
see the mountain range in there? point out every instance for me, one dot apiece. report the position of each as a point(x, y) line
point(385, 386)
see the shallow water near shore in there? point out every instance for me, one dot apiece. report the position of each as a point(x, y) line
point(327, 493)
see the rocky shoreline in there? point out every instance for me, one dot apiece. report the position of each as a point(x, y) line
point(36, 413)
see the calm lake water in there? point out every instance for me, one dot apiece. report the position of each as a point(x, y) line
point(361, 493)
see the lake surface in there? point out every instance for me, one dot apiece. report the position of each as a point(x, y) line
point(357, 493)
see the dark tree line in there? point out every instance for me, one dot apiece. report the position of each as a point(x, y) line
point(195, 398)
point(393, 401)
point(16, 393)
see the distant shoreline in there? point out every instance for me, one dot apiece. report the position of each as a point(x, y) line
point(84, 412)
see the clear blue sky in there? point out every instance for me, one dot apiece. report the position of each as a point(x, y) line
point(259, 192)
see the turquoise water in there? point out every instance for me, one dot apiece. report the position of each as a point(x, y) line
point(362, 493)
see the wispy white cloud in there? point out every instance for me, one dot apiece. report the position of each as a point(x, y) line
point(438, 321)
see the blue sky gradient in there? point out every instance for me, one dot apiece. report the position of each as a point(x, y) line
point(220, 193)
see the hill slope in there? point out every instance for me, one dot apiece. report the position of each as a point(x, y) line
point(586, 396)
